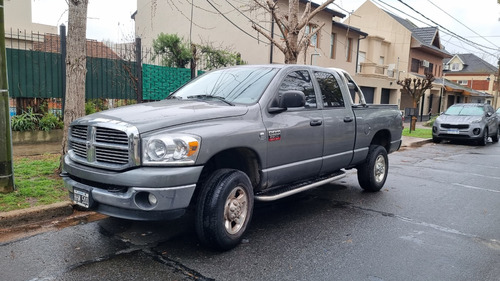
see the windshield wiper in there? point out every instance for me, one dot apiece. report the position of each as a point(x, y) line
point(204, 97)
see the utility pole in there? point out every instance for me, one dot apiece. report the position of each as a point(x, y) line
point(6, 166)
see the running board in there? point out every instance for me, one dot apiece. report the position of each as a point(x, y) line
point(287, 190)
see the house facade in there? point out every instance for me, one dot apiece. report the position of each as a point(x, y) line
point(473, 72)
point(228, 25)
point(20, 31)
point(396, 49)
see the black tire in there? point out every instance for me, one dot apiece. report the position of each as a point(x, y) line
point(224, 209)
point(496, 136)
point(484, 140)
point(436, 140)
point(373, 173)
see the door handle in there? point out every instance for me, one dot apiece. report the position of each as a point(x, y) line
point(316, 122)
point(348, 119)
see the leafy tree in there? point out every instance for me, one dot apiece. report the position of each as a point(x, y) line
point(416, 88)
point(173, 51)
point(290, 25)
point(216, 58)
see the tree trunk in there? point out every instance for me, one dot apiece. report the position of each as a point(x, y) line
point(76, 68)
point(413, 123)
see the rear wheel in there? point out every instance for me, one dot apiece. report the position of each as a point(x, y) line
point(373, 173)
point(224, 209)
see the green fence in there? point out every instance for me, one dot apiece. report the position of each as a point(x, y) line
point(36, 74)
point(159, 81)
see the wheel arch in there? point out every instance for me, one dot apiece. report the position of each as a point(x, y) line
point(382, 138)
point(239, 158)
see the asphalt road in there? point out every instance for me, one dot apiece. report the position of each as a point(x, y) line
point(437, 218)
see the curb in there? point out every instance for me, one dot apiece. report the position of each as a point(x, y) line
point(35, 214)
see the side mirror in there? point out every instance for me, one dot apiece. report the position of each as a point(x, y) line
point(489, 114)
point(289, 99)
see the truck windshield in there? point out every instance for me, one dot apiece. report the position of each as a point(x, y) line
point(233, 85)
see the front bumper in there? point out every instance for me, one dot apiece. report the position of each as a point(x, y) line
point(126, 194)
point(458, 132)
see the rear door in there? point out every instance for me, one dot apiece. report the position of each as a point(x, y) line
point(339, 124)
point(295, 136)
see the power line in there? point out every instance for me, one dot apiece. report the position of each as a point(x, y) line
point(444, 30)
point(458, 36)
point(462, 23)
point(235, 25)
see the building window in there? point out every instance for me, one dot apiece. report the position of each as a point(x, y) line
point(348, 54)
point(430, 69)
point(455, 66)
point(333, 45)
point(314, 39)
point(414, 65)
point(381, 61)
point(361, 60)
point(463, 82)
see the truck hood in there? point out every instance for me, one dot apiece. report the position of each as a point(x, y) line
point(155, 115)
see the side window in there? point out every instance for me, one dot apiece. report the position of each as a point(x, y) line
point(300, 81)
point(330, 90)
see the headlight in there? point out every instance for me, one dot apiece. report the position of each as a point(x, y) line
point(174, 150)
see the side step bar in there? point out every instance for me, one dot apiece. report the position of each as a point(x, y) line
point(287, 190)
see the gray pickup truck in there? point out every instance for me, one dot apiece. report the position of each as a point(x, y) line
point(225, 139)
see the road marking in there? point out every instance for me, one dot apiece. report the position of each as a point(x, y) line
point(477, 188)
point(484, 176)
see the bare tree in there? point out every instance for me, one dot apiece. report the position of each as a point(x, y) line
point(415, 88)
point(290, 26)
point(76, 69)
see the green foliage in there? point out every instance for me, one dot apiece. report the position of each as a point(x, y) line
point(173, 51)
point(31, 121)
point(36, 183)
point(27, 121)
point(216, 58)
point(49, 122)
point(95, 105)
point(430, 123)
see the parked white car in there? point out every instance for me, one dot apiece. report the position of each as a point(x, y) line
point(467, 121)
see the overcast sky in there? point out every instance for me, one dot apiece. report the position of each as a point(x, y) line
point(476, 20)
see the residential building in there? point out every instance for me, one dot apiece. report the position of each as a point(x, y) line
point(395, 49)
point(20, 31)
point(473, 72)
point(228, 25)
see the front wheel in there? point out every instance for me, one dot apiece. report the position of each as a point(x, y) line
point(484, 140)
point(224, 209)
point(496, 136)
point(373, 173)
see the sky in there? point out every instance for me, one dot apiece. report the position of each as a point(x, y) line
point(477, 21)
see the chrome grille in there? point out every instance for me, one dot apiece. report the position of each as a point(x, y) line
point(111, 136)
point(103, 146)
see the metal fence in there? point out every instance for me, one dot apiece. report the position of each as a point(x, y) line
point(36, 71)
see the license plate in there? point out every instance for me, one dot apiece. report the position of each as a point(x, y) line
point(454, 132)
point(81, 197)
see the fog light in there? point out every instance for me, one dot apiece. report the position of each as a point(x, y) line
point(476, 131)
point(152, 199)
point(434, 129)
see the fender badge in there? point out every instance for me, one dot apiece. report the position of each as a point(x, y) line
point(274, 135)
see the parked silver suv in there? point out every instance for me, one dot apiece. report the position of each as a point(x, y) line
point(467, 121)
